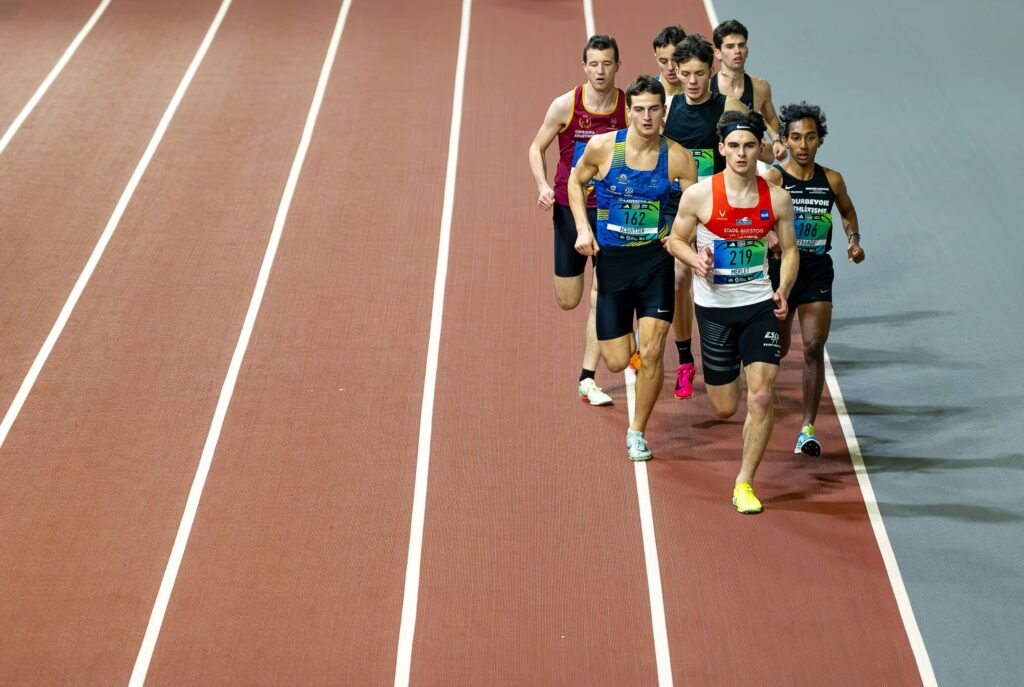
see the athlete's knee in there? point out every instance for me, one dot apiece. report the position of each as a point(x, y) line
point(614, 363)
point(725, 405)
point(759, 402)
point(814, 350)
point(566, 303)
point(568, 296)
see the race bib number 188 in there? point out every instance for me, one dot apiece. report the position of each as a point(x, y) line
point(737, 262)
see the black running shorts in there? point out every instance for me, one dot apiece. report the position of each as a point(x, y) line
point(568, 262)
point(728, 336)
point(636, 281)
point(813, 280)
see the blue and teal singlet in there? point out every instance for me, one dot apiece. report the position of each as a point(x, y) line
point(630, 201)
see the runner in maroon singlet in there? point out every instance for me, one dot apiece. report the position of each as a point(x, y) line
point(594, 107)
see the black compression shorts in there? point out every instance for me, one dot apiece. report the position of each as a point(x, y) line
point(569, 263)
point(813, 280)
point(748, 333)
point(633, 281)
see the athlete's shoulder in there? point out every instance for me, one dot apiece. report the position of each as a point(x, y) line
point(835, 179)
point(773, 176)
point(781, 199)
point(760, 85)
point(702, 189)
point(733, 103)
point(564, 101)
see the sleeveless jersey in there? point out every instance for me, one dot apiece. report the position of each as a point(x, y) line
point(747, 97)
point(629, 201)
point(693, 127)
point(737, 239)
point(572, 139)
point(812, 210)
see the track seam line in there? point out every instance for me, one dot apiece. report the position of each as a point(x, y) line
point(410, 598)
point(662, 654)
point(108, 232)
point(588, 18)
point(709, 9)
point(659, 628)
point(52, 76)
point(148, 645)
point(892, 568)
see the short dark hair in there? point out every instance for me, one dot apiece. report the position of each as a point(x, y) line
point(599, 41)
point(644, 84)
point(753, 119)
point(728, 28)
point(794, 112)
point(670, 35)
point(694, 46)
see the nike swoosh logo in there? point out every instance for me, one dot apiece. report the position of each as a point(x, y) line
point(660, 310)
point(789, 188)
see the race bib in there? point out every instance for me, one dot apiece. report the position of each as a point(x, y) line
point(739, 261)
point(635, 221)
point(811, 232)
point(705, 160)
point(576, 154)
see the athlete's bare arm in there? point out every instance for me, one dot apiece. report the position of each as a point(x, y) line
point(844, 205)
point(694, 206)
point(596, 154)
point(681, 165)
point(763, 104)
point(782, 207)
point(554, 121)
point(773, 176)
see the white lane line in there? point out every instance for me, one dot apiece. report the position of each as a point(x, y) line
point(410, 599)
point(108, 231)
point(662, 655)
point(924, 665)
point(51, 77)
point(227, 389)
point(709, 8)
point(588, 17)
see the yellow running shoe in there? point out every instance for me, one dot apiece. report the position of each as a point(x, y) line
point(634, 361)
point(744, 500)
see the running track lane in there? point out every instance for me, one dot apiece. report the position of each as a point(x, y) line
point(799, 595)
point(533, 568)
point(294, 572)
point(62, 173)
point(96, 469)
point(33, 36)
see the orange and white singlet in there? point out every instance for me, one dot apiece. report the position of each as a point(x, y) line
point(737, 239)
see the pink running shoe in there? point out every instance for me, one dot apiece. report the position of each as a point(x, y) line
point(684, 380)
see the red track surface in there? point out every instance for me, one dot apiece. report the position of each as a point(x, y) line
point(533, 567)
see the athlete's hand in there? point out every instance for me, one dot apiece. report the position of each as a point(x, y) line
point(585, 243)
point(772, 239)
point(855, 253)
point(779, 148)
point(546, 198)
point(705, 262)
point(781, 306)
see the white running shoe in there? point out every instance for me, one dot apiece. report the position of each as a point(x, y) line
point(637, 445)
point(590, 391)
